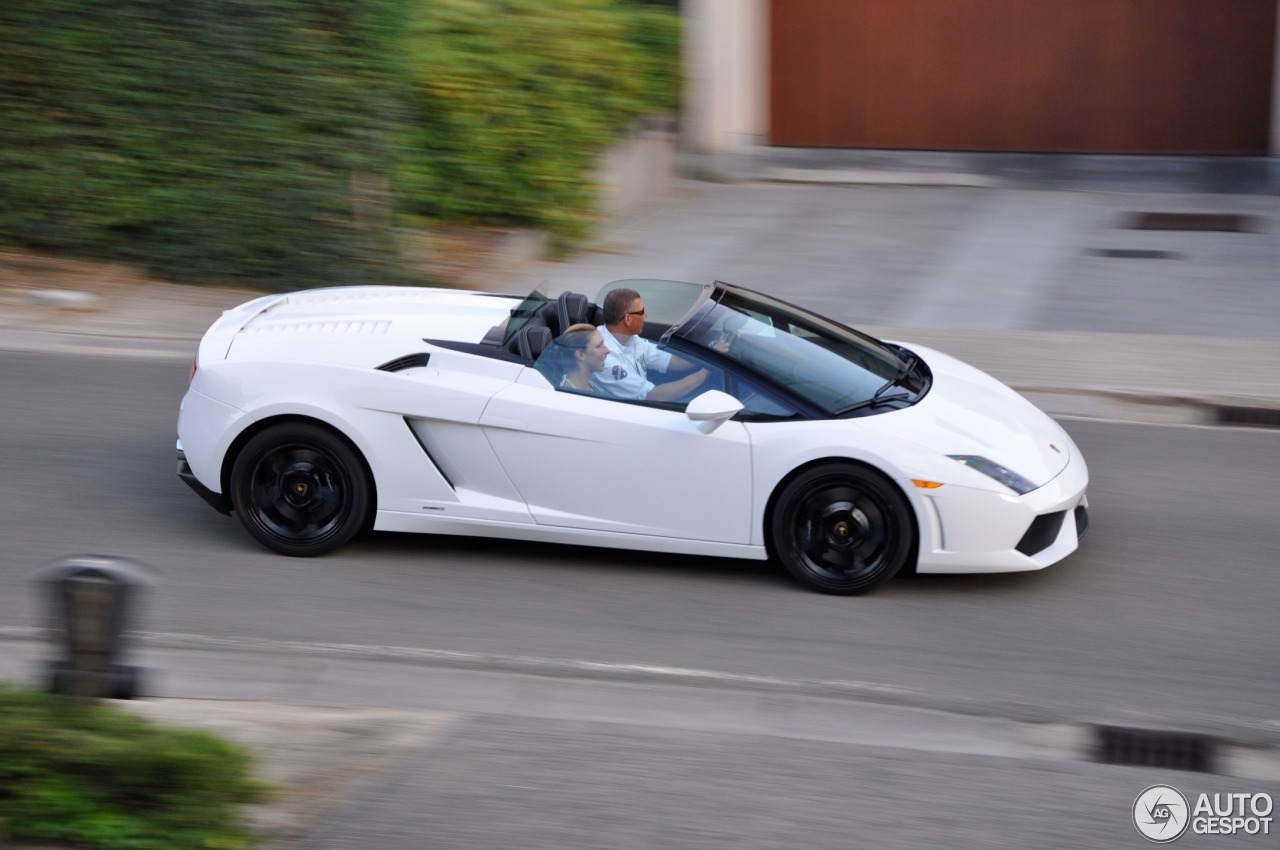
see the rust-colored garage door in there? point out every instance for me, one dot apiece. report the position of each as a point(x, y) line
point(1150, 76)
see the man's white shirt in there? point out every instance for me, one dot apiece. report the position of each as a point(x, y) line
point(626, 367)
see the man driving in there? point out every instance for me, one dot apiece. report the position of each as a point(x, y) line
point(631, 357)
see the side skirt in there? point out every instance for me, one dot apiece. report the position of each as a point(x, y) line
point(413, 523)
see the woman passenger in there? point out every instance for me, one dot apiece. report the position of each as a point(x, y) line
point(573, 357)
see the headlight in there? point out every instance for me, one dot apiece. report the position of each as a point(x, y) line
point(991, 469)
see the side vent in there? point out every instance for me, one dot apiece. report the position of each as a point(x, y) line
point(409, 361)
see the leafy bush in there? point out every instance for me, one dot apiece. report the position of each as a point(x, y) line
point(204, 140)
point(656, 33)
point(256, 141)
point(514, 99)
point(90, 774)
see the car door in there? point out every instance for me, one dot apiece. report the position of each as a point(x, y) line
point(583, 461)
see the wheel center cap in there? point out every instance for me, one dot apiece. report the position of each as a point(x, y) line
point(298, 487)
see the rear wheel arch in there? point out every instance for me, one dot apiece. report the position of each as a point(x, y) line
point(238, 444)
point(310, 455)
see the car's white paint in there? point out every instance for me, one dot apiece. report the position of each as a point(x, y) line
point(475, 445)
point(593, 463)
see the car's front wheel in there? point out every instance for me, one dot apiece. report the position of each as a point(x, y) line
point(300, 489)
point(842, 528)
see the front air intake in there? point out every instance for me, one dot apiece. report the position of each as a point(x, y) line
point(1043, 531)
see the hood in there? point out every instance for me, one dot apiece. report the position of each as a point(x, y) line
point(968, 412)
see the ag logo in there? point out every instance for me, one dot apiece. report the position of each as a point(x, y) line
point(1160, 813)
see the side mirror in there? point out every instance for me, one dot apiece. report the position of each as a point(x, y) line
point(712, 409)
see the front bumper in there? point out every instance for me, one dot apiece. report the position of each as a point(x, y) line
point(978, 531)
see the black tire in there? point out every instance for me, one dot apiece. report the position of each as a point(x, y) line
point(300, 489)
point(842, 528)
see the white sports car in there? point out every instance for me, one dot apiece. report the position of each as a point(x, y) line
point(317, 414)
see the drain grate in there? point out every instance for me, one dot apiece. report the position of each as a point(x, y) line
point(1220, 222)
point(1134, 254)
point(1154, 748)
point(1257, 417)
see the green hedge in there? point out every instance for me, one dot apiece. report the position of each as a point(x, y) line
point(513, 100)
point(268, 141)
point(89, 774)
point(204, 140)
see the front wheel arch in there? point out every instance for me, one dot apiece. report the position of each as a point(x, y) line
point(910, 526)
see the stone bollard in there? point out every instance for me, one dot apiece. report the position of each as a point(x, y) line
point(91, 600)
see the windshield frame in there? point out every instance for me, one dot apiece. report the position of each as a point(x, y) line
point(879, 365)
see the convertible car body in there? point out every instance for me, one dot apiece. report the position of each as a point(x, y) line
point(318, 414)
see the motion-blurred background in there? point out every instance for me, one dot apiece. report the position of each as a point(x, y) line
point(1080, 198)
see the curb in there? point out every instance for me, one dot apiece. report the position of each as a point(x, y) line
point(1226, 731)
point(875, 177)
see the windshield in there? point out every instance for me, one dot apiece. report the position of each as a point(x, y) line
point(827, 364)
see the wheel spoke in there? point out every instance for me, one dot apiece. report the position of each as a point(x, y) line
point(291, 518)
point(329, 499)
point(842, 557)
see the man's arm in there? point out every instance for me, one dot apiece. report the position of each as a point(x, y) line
point(679, 364)
point(674, 389)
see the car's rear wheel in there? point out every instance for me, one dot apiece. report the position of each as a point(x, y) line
point(300, 489)
point(842, 528)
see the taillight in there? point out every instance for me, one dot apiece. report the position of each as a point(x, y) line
point(195, 364)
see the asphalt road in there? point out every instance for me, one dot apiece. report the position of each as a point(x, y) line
point(1166, 615)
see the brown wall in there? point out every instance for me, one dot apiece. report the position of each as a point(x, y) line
point(1151, 76)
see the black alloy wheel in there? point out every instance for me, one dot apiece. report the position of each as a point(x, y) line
point(842, 528)
point(300, 489)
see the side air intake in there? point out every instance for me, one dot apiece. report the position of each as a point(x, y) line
point(409, 361)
